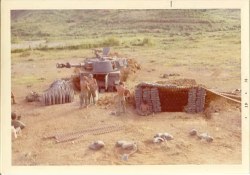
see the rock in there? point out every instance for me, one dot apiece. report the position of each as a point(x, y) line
point(209, 139)
point(158, 135)
point(167, 136)
point(120, 143)
point(97, 145)
point(112, 113)
point(32, 96)
point(125, 157)
point(193, 132)
point(129, 145)
point(203, 136)
point(158, 140)
point(28, 154)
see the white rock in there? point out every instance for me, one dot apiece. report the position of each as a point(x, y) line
point(203, 136)
point(158, 140)
point(167, 136)
point(209, 139)
point(158, 135)
point(129, 145)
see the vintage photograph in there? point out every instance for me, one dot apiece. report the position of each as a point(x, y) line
point(126, 87)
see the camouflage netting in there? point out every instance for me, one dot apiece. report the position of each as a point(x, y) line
point(170, 98)
point(59, 92)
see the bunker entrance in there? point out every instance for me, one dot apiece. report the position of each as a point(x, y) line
point(173, 100)
point(170, 98)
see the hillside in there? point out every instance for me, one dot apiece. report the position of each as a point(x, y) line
point(58, 25)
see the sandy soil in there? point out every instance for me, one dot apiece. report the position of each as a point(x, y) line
point(31, 149)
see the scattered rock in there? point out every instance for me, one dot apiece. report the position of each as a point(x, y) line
point(209, 139)
point(205, 136)
point(193, 132)
point(158, 135)
point(158, 140)
point(113, 113)
point(28, 154)
point(97, 145)
point(169, 75)
point(32, 96)
point(129, 145)
point(165, 136)
point(120, 143)
point(125, 157)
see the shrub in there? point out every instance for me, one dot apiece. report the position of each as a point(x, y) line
point(111, 41)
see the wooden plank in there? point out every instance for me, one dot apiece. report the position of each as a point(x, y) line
point(223, 96)
point(231, 96)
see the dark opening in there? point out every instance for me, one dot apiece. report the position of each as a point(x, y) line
point(173, 100)
point(100, 78)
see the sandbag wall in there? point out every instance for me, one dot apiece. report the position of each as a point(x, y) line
point(170, 98)
point(150, 96)
point(59, 92)
point(196, 100)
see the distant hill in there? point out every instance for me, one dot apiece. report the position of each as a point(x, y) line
point(77, 24)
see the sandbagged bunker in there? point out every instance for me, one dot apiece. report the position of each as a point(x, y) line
point(170, 98)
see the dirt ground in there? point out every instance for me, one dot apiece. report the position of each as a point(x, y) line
point(32, 149)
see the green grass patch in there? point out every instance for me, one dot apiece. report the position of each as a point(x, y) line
point(26, 80)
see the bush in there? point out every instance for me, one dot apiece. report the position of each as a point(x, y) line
point(144, 42)
point(111, 41)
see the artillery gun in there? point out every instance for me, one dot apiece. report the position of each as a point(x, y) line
point(106, 70)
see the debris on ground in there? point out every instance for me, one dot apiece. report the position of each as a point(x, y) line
point(183, 82)
point(96, 145)
point(127, 145)
point(169, 75)
point(193, 132)
point(113, 113)
point(32, 96)
point(65, 137)
point(161, 137)
point(206, 137)
point(120, 143)
point(158, 140)
point(106, 100)
point(126, 149)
